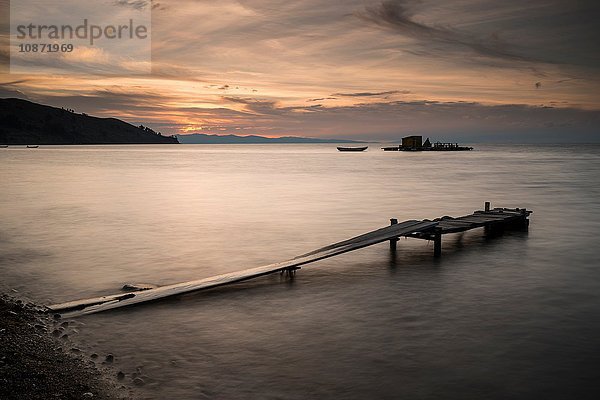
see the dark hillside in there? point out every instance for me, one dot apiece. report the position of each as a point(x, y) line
point(23, 122)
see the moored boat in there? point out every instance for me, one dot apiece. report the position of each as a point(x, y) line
point(342, 148)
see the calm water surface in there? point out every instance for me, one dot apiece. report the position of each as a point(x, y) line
point(516, 316)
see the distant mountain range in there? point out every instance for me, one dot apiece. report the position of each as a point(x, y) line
point(23, 122)
point(201, 138)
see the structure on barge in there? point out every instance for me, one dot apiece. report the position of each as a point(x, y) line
point(415, 143)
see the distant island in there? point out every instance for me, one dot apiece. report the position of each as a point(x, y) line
point(201, 138)
point(23, 122)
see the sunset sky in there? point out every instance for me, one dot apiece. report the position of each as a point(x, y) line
point(361, 69)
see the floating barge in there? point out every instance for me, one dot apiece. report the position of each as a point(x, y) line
point(415, 143)
point(492, 220)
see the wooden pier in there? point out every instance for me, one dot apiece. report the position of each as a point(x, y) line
point(492, 220)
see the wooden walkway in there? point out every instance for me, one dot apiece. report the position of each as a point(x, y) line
point(429, 230)
point(492, 220)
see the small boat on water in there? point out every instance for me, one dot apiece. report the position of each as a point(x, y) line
point(3, 146)
point(32, 147)
point(341, 148)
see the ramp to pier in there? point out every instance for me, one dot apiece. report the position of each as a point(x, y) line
point(94, 305)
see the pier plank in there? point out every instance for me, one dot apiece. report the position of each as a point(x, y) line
point(454, 222)
point(478, 221)
point(89, 306)
point(498, 217)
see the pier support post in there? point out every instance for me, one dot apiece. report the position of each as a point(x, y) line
point(523, 222)
point(393, 221)
point(437, 242)
point(487, 206)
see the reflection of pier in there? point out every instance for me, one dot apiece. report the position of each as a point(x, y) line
point(415, 143)
point(492, 220)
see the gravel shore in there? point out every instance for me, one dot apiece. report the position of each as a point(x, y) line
point(36, 364)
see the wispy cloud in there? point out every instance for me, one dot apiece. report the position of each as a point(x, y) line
point(322, 98)
point(256, 106)
point(399, 15)
point(511, 33)
point(372, 94)
point(135, 4)
point(8, 92)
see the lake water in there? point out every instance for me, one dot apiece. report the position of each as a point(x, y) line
point(516, 316)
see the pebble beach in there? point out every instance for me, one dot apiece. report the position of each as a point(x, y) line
point(39, 361)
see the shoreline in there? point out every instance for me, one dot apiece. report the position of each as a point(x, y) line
point(37, 361)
